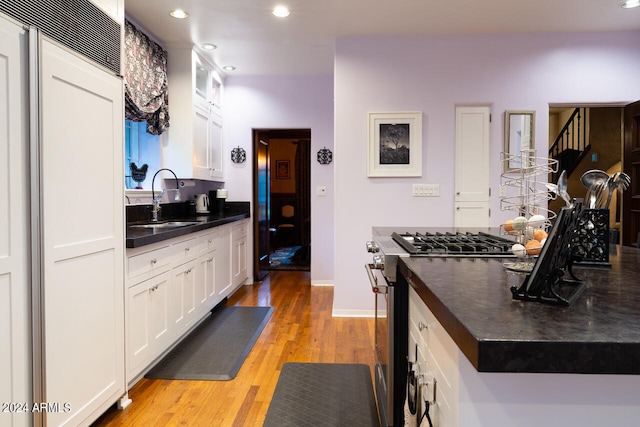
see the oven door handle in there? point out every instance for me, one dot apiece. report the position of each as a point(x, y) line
point(375, 287)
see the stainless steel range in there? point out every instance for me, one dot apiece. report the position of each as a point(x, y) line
point(389, 244)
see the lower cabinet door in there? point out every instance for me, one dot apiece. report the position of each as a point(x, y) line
point(148, 331)
point(184, 296)
point(206, 282)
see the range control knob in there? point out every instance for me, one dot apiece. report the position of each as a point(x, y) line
point(378, 262)
point(372, 247)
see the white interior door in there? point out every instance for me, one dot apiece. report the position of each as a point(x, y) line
point(472, 175)
point(15, 337)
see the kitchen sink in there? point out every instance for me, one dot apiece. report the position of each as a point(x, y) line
point(167, 224)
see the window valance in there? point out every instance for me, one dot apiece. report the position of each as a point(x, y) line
point(145, 77)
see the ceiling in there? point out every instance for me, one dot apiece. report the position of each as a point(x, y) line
point(251, 39)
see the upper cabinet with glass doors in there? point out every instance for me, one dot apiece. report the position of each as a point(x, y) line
point(194, 149)
point(207, 84)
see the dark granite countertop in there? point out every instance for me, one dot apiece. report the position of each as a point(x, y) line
point(136, 237)
point(598, 334)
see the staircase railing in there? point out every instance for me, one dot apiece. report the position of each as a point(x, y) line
point(571, 144)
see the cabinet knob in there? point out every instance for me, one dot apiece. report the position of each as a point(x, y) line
point(154, 261)
point(186, 249)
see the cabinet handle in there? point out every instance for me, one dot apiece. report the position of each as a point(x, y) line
point(422, 326)
point(154, 261)
point(186, 249)
point(153, 288)
point(210, 241)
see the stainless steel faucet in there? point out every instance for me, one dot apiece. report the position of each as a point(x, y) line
point(155, 202)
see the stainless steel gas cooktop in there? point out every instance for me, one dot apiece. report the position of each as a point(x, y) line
point(454, 244)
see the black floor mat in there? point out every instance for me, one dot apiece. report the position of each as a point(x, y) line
point(323, 394)
point(216, 349)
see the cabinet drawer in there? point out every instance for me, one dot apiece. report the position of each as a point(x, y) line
point(147, 262)
point(209, 241)
point(185, 250)
point(239, 230)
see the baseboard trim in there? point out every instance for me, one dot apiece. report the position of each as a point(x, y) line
point(322, 283)
point(353, 313)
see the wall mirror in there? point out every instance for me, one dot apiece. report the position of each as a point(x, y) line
point(518, 138)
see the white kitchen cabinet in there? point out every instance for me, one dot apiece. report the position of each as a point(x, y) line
point(82, 253)
point(14, 225)
point(148, 325)
point(184, 284)
point(468, 398)
point(206, 294)
point(224, 279)
point(206, 281)
point(207, 84)
point(184, 296)
point(215, 147)
point(171, 286)
point(149, 305)
point(239, 252)
point(195, 144)
point(437, 358)
point(61, 268)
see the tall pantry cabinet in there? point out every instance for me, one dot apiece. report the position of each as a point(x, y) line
point(62, 252)
point(14, 224)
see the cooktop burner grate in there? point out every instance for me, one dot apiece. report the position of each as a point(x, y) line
point(454, 244)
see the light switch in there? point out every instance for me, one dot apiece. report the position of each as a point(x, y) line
point(426, 190)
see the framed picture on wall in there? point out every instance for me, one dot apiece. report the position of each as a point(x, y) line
point(395, 144)
point(282, 169)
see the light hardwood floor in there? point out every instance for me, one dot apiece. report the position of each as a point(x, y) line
point(300, 329)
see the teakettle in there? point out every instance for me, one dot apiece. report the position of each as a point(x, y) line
point(202, 203)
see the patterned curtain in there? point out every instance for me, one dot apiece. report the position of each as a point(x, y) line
point(145, 77)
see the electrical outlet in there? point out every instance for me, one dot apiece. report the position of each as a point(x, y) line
point(426, 190)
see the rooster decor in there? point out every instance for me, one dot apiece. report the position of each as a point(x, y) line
point(138, 174)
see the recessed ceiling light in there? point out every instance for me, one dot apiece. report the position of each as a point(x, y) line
point(209, 46)
point(229, 68)
point(179, 13)
point(629, 4)
point(281, 11)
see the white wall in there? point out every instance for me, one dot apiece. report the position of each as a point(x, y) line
point(434, 75)
point(285, 102)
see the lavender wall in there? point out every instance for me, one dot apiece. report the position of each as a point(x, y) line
point(434, 75)
point(285, 102)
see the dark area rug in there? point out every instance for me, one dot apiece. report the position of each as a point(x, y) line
point(323, 394)
point(216, 349)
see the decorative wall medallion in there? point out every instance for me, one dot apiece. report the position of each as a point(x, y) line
point(325, 156)
point(238, 155)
